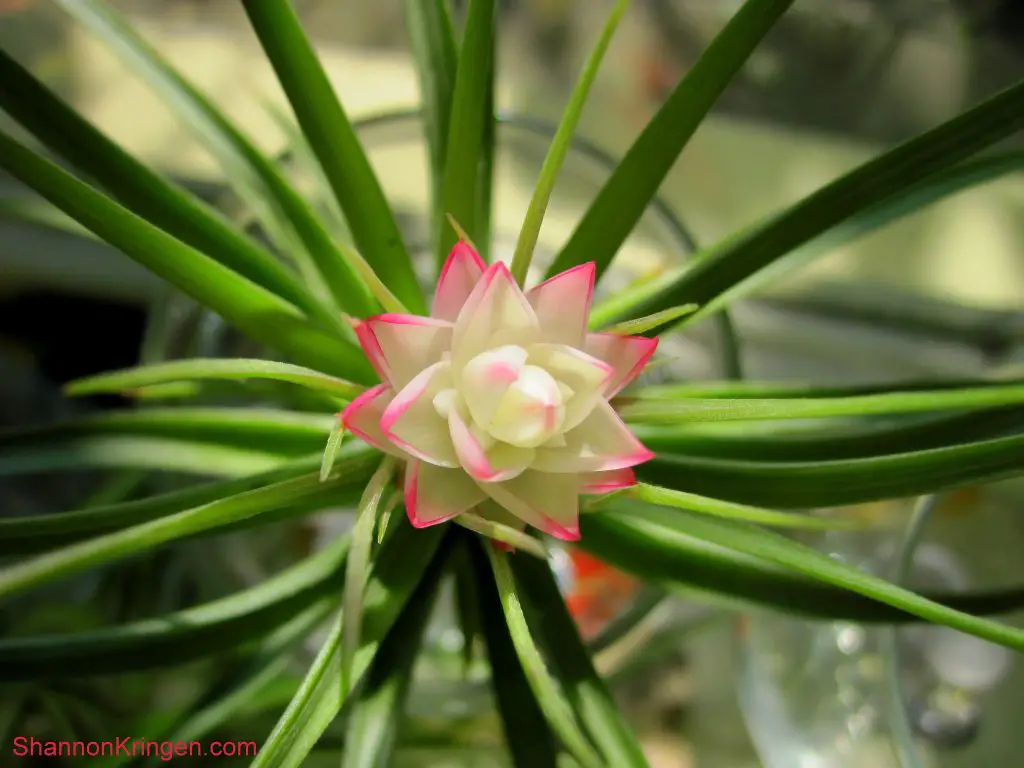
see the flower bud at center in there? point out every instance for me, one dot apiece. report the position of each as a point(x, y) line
point(531, 411)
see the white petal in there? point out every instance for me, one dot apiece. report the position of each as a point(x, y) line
point(411, 421)
point(627, 355)
point(602, 442)
point(607, 482)
point(435, 494)
point(362, 418)
point(487, 377)
point(482, 459)
point(562, 304)
point(584, 375)
point(408, 344)
point(459, 276)
point(547, 502)
point(531, 410)
point(495, 314)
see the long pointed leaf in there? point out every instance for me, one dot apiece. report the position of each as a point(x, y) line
point(336, 145)
point(691, 409)
point(39, 533)
point(374, 718)
point(141, 190)
point(774, 548)
point(199, 369)
point(76, 558)
point(187, 635)
point(634, 183)
point(555, 708)
point(809, 484)
point(668, 552)
point(468, 123)
point(560, 147)
point(719, 268)
point(433, 49)
point(406, 559)
point(263, 315)
point(588, 695)
point(517, 705)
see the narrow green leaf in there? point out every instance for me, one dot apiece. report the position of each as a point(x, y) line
point(818, 441)
point(466, 599)
point(141, 190)
point(560, 147)
point(634, 183)
point(788, 554)
point(258, 183)
point(358, 568)
point(751, 409)
point(39, 533)
point(407, 558)
point(336, 145)
point(271, 430)
point(76, 558)
point(738, 257)
point(262, 315)
point(197, 369)
point(385, 515)
point(381, 292)
point(554, 706)
point(527, 735)
point(433, 49)
point(131, 452)
point(663, 319)
point(331, 451)
point(903, 203)
point(666, 497)
point(485, 170)
point(796, 389)
point(184, 636)
point(41, 213)
point(590, 699)
point(503, 533)
point(640, 609)
point(672, 552)
point(468, 123)
point(374, 717)
point(808, 484)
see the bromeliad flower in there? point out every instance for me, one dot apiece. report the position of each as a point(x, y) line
point(501, 396)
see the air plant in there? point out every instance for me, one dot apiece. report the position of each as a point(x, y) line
point(468, 427)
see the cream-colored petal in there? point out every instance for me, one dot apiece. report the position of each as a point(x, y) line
point(412, 422)
point(585, 376)
point(436, 494)
point(547, 502)
point(459, 276)
point(627, 355)
point(530, 411)
point(562, 304)
point(495, 314)
point(409, 343)
point(482, 458)
point(362, 418)
point(487, 377)
point(600, 443)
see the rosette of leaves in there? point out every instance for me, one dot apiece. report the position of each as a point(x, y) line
point(732, 461)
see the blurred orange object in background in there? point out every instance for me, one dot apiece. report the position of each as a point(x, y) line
point(596, 592)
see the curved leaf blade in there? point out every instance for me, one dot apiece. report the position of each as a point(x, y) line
point(560, 145)
point(261, 314)
point(333, 139)
point(672, 553)
point(634, 183)
point(692, 409)
point(590, 699)
point(741, 255)
point(778, 550)
point(140, 189)
point(809, 484)
point(555, 708)
point(187, 635)
point(471, 110)
point(200, 369)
